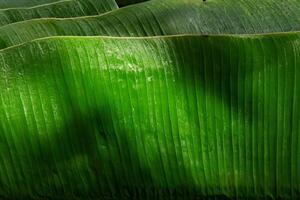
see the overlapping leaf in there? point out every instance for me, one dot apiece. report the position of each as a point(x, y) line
point(167, 17)
point(60, 9)
point(4, 4)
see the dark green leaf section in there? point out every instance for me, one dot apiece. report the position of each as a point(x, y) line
point(184, 116)
point(4, 4)
point(122, 3)
point(62, 9)
point(167, 17)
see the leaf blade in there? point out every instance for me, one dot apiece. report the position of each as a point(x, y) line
point(136, 101)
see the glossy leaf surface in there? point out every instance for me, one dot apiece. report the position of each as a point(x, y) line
point(189, 116)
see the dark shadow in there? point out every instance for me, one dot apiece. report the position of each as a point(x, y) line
point(111, 170)
point(226, 70)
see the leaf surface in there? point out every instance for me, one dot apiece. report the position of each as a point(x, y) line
point(168, 17)
point(4, 4)
point(61, 9)
point(189, 116)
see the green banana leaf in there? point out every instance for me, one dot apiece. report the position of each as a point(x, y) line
point(192, 116)
point(23, 3)
point(210, 116)
point(62, 9)
point(166, 17)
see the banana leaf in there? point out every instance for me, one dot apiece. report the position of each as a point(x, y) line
point(209, 116)
point(168, 17)
point(61, 9)
point(4, 4)
point(191, 116)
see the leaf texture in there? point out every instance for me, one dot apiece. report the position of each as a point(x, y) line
point(4, 4)
point(168, 17)
point(209, 116)
point(61, 9)
point(161, 117)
